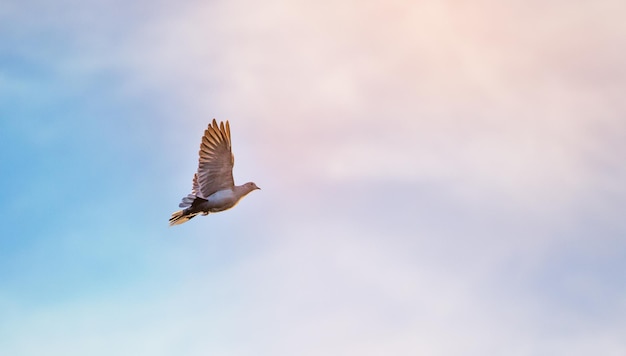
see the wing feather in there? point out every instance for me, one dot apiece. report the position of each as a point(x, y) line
point(215, 164)
point(195, 193)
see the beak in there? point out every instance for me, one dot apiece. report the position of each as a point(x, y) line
point(258, 188)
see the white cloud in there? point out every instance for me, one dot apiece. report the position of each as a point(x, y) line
point(316, 290)
point(492, 119)
point(398, 92)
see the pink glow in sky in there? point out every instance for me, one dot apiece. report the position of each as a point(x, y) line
point(439, 178)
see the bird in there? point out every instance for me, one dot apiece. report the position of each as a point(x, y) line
point(213, 188)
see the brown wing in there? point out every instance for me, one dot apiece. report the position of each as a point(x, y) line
point(215, 167)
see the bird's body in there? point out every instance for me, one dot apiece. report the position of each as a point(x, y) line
point(213, 188)
point(220, 201)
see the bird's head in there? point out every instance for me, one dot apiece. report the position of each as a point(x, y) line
point(251, 186)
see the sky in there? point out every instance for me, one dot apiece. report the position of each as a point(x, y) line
point(438, 177)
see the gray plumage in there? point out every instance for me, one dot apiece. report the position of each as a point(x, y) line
point(213, 187)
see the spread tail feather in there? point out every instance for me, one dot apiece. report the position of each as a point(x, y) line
point(180, 217)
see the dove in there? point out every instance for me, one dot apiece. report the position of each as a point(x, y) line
point(213, 188)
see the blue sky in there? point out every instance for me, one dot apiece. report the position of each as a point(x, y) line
point(438, 178)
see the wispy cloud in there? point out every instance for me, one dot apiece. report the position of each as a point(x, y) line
point(437, 178)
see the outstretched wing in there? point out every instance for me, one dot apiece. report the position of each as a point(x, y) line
point(215, 167)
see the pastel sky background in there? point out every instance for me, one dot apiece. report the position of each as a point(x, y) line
point(439, 177)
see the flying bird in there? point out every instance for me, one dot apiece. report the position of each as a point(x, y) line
point(213, 189)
